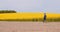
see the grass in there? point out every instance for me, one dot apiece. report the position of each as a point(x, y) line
point(25, 20)
point(53, 20)
point(33, 20)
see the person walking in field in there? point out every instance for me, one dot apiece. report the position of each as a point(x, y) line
point(44, 20)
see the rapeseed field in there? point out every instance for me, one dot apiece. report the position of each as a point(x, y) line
point(21, 15)
point(53, 17)
point(29, 16)
point(49, 15)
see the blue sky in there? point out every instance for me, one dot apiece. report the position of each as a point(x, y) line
point(52, 6)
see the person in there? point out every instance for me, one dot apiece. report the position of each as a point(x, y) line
point(44, 17)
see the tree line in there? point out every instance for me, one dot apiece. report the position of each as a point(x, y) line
point(7, 11)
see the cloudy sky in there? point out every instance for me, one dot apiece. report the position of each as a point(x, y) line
point(52, 6)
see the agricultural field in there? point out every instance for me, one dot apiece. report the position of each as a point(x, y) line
point(21, 16)
point(29, 16)
point(53, 17)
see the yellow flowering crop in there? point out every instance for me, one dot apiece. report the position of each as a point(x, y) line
point(21, 15)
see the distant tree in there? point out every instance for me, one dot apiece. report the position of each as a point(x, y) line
point(7, 11)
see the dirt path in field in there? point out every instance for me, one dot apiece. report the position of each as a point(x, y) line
point(29, 27)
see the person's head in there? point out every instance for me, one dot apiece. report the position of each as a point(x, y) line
point(44, 13)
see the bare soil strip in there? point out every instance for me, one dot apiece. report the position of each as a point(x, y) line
point(29, 27)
